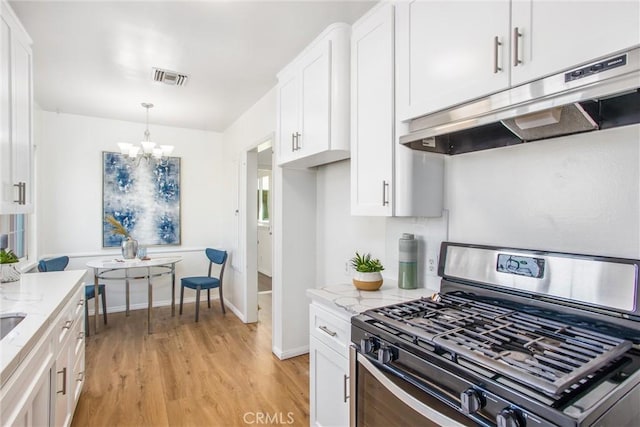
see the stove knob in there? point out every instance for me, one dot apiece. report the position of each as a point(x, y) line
point(367, 345)
point(508, 417)
point(471, 401)
point(384, 355)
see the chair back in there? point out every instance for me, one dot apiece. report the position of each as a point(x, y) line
point(53, 264)
point(218, 257)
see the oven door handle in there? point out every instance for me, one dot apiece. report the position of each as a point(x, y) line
point(411, 401)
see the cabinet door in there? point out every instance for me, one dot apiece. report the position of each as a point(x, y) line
point(372, 113)
point(315, 101)
point(6, 127)
point(559, 35)
point(447, 53)
point(288, 113)
point(62, 389)
point(22, 120)
point(329, 386)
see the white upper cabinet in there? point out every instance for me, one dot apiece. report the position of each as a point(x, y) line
point(556, 35)
point(387, 179)
point(313, 102)
point(16, 141)
point(449, 52)
point(372, 113)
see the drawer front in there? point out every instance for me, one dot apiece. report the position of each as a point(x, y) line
point(330, 329)
point(72, 315)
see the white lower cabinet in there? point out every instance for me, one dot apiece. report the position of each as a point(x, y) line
point(329, 392)
point(44, 389)
point(26, 397)
point(330, 335)
point(69, 367)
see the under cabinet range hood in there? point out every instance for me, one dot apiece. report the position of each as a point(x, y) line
point(598, 95)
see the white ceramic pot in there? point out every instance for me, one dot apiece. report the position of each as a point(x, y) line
point(367, 281)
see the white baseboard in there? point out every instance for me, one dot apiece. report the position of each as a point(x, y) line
point(282, 355)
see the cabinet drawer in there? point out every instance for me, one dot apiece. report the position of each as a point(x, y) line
point(72, 315)
point(330, 329)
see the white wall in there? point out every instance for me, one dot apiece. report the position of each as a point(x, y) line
point(69, 209)
point(579, 193)
point(252, 127)
point(340, 234)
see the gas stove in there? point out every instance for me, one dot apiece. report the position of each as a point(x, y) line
point(517, 337)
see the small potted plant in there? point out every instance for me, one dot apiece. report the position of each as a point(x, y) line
point(8, 272)
point(367, 276)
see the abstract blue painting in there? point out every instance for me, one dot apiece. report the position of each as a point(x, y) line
point(144, 196)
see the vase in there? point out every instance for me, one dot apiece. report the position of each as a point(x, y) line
point(129, 248)
point(367, 281)
point(9, 273)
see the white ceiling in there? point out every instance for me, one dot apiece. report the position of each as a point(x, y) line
point(95, 58)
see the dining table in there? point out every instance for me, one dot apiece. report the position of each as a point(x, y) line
point(116, 269)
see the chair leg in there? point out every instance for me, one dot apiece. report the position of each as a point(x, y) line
point(209, 298)
point(86, 317)
point(181, 298)
point(197, 302)
point(104, 305)
point(222, 300)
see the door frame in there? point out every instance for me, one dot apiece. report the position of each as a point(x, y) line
point(248, 219)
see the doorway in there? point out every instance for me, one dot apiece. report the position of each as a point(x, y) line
point(258, 232)
point(265, 241)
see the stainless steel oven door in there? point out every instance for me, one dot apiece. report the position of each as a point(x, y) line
point(379, 398)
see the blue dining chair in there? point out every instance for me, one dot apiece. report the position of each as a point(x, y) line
point(59, 264)
point(207, 282)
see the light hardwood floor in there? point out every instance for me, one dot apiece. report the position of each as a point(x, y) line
point(217, 372)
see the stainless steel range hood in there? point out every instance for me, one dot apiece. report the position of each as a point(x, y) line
point(597, 95)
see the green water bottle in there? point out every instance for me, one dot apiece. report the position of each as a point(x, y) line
point(408, 258)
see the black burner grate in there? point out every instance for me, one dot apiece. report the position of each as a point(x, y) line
point(547, 355)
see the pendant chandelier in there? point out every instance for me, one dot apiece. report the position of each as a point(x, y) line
point(147, 149)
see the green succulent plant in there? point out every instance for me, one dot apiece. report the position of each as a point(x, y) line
point(365, 264)
point(7, 257)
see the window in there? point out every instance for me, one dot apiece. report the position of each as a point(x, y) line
point(264, 178)
point(15, 226)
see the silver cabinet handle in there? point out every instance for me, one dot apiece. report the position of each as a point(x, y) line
point(80, 376)
point(385, 193)
point(344, 390)
point(64, 381)
point(496, 45)
point(297, 141)
point(81, 335)
point(327, 331)
point(67, 324)
point(22, 193)
point(516, 38)
point(293, 143)
point(81, 302)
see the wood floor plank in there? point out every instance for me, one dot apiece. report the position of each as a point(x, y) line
point(217, 372)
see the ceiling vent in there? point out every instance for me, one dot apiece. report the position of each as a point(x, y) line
point(169, 77)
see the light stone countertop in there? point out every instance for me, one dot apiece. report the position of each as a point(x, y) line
point(39, 296)
point(351, 301)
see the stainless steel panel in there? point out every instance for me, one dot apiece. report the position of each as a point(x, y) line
point(607, 283)
point(536, 96)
